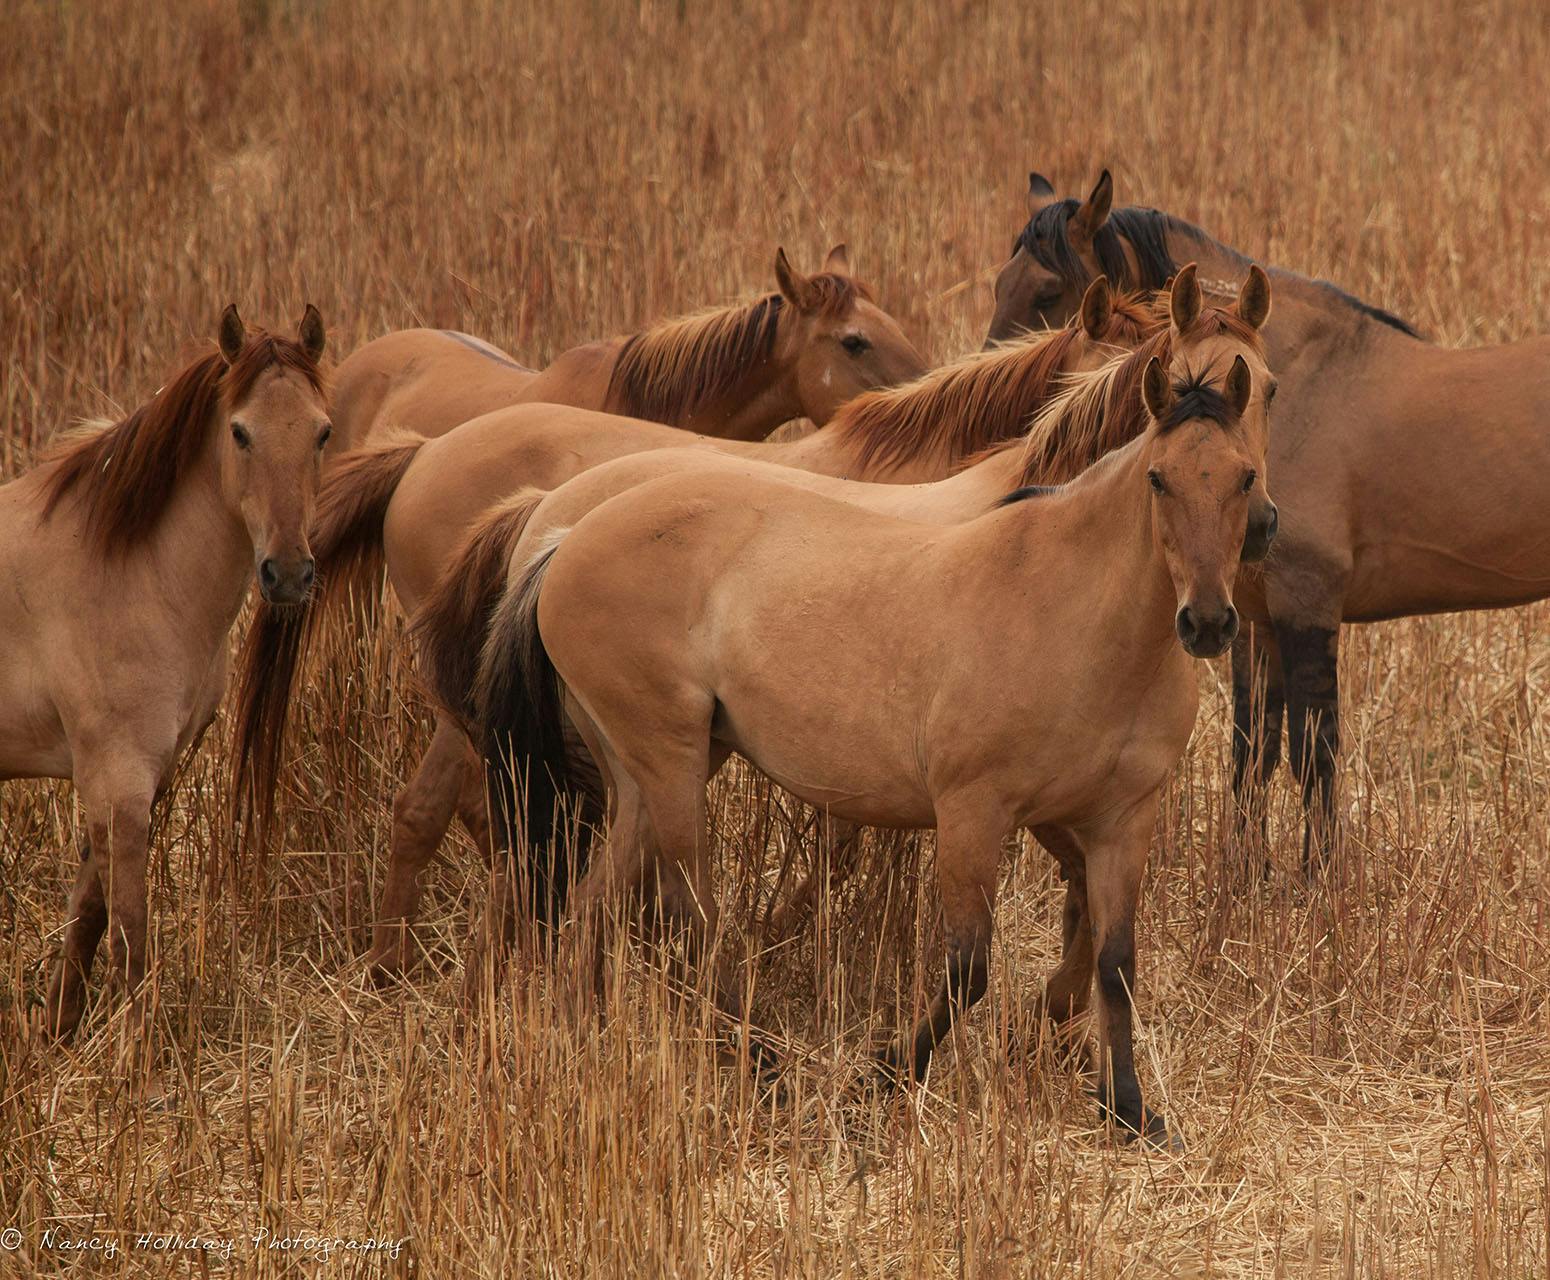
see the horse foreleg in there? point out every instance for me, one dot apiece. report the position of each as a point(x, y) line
point(1116, 859)
point(421, 814)
point(88, 921)
point(1310, 660)
point(822, 880)
point(1258, 707)
point(968, 855)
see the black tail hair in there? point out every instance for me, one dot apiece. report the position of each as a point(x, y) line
point(520, 709)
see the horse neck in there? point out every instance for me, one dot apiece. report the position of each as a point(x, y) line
point(199, 556)
point(829, 451)
point(762, 400)
point(1309, 319)
point(1098, 528)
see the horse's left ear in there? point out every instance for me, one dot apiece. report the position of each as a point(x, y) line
point(1156, 391)
point(1254, 298)
point(310, 332)
point(1093, 212)
point(232, 334)
point(1184, 301)
point(1240, 383)
point(796, 288)
point(838, 261)
point(1097, 308)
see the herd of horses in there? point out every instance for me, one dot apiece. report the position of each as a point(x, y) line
point(970, 599)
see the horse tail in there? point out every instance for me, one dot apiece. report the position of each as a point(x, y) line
point(449, 629)
point(520, 712)
point(346, 542)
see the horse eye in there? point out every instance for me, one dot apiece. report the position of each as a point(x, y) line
point(1156, 481)
point(239, 433)
point(1248, 481)
point(325, 435)
point(1270, 391)
point(854, 343)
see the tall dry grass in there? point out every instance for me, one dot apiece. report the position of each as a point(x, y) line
point(1361, 1074)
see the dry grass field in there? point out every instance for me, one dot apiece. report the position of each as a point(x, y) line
point(1361, 1073)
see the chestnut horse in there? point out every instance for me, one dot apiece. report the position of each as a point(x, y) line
point(737, 371)
point(123, 564)
point(1077, 426)
point(863, 663)
point(1410, 477)
point(414, 503)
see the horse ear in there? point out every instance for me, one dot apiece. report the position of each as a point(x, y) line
point(1093, 212)
point(232, 335)
point(1240, 382)
point(1040, 192)
point(1097, 308)
point(1254, 298)
point(838, 261)
point(311, 334)
point(1184, 299)
point(1156, 391)
point(794, 286)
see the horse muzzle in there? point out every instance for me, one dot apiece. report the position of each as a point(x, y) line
point(1206, 634)
point(1258, 537)
point(286, 581)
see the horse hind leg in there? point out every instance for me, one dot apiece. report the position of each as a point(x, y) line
point(88, 922)
point(1068, 991)
point(422, 812)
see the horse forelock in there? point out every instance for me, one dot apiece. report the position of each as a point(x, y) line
point(1047, 238)
point(125, 474)
point(676, 367)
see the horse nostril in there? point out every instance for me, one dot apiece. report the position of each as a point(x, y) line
point(268, 576)
point(1185, 623)
point(1230, 625)
point(1273, 524)
point(308, 574)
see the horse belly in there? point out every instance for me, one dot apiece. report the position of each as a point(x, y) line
point(1396, 581)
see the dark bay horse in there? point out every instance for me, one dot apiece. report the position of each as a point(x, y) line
point(1411, 478)
point(124, 561)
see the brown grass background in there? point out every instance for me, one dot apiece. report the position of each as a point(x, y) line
point(1361, 1074)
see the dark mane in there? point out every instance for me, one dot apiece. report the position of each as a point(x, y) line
point(123, 476)
point(669, 372)
point(1047, 238)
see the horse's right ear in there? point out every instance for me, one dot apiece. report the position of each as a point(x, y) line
point(1156, 391)
point(1093, 212)
point(1184, 301)
point(1097, 308)
point(232, 335)
point(838, 261)
point(1040, 192)
point(796, 288)
point(310, 333)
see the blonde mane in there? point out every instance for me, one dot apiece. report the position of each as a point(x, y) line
point(979, 401)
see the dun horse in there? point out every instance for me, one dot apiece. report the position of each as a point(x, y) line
point(1075, 428)
point(881, 670)
point(737, 372)
point(414, 504)
point(123, 564)
point(1411, 478)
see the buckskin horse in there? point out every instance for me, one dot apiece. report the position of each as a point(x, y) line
point(881, 670)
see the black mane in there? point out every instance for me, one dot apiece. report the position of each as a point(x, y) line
point(1047, 239)
point(1195, 398)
